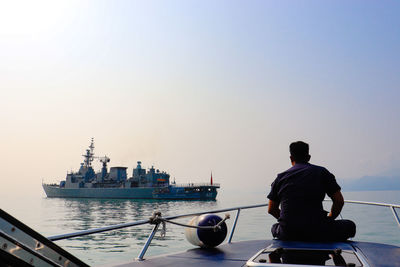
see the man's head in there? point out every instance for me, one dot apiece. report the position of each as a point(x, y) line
point(299, 152)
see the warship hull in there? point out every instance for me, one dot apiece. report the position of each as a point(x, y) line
point(198, 193)
point(115, 183)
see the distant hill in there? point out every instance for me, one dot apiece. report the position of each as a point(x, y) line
point(371, 183)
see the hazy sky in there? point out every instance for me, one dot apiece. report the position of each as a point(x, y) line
point(198, 86)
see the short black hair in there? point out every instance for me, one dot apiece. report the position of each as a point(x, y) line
point(299, 151)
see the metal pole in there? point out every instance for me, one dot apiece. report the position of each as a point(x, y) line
point(97, 230)
point(234, 226)
point(145, 247)
point(371, 203)
point(395, 215)
point(124, 225)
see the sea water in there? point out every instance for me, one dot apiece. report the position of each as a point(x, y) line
point(53, 216)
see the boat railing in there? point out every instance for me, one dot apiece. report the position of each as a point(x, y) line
point(237, 209)
point(392, 207)
point(196, 184)
point(155, 228)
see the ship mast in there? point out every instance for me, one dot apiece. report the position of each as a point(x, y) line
point(89, 155)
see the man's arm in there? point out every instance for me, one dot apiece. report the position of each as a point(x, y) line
point(273, 209)
point(337, 205)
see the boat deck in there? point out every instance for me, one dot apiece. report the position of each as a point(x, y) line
point(233, 254)
point(238, 253)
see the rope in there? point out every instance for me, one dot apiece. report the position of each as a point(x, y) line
point(157, 219)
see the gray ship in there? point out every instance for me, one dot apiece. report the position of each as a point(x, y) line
point(144, 184)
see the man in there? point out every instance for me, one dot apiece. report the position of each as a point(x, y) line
point(300, 191)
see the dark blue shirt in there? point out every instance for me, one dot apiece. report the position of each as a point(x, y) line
point(300, 190)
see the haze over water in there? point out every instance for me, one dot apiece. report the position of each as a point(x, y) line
point(192, 87)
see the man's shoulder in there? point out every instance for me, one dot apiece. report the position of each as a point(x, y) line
point(317, 167)
point(321, 171)
point(303, 166)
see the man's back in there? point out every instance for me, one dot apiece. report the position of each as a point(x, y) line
point(301, 190)
point(296, 201)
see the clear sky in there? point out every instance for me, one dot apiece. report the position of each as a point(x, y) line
point(198, 86)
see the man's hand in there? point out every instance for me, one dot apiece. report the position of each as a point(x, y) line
point(273, 209)
point(337, 204)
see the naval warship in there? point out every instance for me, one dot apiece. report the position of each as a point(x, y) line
point(144, 184)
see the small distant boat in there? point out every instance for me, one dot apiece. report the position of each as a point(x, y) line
point(144, 184)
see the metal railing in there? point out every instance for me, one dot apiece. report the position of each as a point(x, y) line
point(238, 209)
point(155, 228)
point(391, 206)
point(195, 184)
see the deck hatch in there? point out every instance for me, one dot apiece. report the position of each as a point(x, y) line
point(302, 257)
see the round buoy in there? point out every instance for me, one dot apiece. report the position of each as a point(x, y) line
point(206, 237)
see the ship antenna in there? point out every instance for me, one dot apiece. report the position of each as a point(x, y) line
point(89, 154)
point(91, 151)
point(92, 146)
point(104, 160)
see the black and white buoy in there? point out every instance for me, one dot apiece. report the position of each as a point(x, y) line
point(205, 234)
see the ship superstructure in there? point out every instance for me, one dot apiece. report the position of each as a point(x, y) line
point(151, 183)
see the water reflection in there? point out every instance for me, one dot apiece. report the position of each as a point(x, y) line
point(82, 214)
point(74, 215)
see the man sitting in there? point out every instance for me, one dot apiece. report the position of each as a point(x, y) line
point(300, 191)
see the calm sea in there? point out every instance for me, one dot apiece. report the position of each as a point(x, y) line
point(52, 216)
